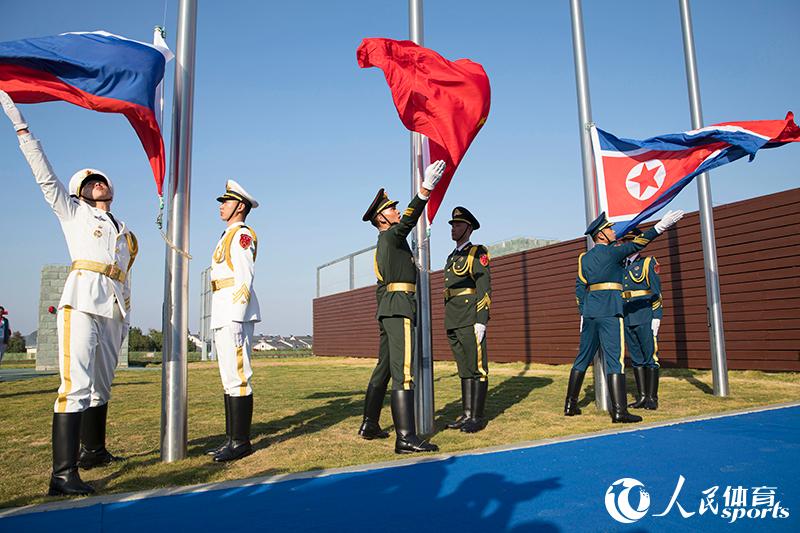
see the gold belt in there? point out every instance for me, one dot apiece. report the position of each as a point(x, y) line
point(605, 287)
point(112, 271)
point(401, 287)
point(217, 284)
point(635, 294)
point(452, 293)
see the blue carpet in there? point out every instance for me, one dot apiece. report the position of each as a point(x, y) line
point(558, 487)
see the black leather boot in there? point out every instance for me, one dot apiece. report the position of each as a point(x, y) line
point(370, 427)
point(639, 376)
point(477, 421)
point(217, 449)
point(93, 438)
point(466, 404)
point(65, 480)
point(407, 440)
point(573, 391)
point(241, 413)
point(619, 411)
point(651, 389)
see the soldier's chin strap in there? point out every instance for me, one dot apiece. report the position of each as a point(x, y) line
point(238, 202)
point(96, 199)
point(466, 229)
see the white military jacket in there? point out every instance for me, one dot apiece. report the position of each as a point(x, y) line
point(232, 270)
point(93, 242)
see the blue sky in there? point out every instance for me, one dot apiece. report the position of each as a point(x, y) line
point(282, 107)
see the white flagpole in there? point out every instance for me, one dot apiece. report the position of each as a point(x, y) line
point(719, 359)
point(420, 158)
point(174, 426)
point(589, 192)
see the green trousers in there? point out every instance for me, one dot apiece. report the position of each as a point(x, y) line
point(470, 356)
point(395, 353)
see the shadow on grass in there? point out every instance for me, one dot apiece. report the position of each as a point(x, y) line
point(688, 375)
point(302, 423)
point(499, 398)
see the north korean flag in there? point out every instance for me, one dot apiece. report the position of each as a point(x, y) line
point(96, 70)
point(637, 178)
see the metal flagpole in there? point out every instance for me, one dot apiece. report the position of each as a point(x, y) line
point(176, 283)
point(420, 158)
point(589, 192)
point(719, 360)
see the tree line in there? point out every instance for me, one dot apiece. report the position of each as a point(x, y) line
point(137, 341)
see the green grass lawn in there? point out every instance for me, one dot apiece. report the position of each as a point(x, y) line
point(307, 412)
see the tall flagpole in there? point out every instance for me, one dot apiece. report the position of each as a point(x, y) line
point(719, 359)
point(589, 192)
point(174, 427)
point(420, 158)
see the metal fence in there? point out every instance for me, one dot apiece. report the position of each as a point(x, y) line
point(350, 272)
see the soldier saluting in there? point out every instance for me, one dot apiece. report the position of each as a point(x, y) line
point(642, 306)
point(93, 313)
point(598, 291)
point(467, 298)
point(397, 310)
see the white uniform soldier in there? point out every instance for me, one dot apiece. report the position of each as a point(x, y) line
point(234, 312)
point(93, 311)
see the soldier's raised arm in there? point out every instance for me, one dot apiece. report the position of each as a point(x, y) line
point(623, 250)
point(54, 191)
point(433, 173)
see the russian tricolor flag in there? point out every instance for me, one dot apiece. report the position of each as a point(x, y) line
point(637, 178)
point(96, 70)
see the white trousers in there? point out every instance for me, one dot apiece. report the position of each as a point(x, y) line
point(234, 361)
point(88, 352)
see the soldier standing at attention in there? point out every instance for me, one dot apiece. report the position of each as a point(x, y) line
point(642, 307)
point(598, 291)
point(397, 310)
point(93, 313)
point(234, 312)
point(467, 297)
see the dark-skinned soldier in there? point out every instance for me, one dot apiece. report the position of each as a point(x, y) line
point(598, 291)
point(467, 297)
point(397, 310)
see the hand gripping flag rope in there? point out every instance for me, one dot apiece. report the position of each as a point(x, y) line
point(96, 70)
point(447, 101)
point(637, 178)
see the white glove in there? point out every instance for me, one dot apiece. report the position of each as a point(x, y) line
point(433, 174)
point(238, 333)
point(580, 330)
point(13, 113)
point(654, 325)
point(480, 331)
point(669, 220)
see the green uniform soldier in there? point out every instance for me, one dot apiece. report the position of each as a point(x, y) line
point(467, 298)
point(397, 310)
point(598, 291)
point(642, 307)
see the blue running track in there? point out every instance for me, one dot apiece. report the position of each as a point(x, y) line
point(552, 487)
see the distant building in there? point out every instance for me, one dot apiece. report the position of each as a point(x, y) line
point(279, 342)
point(518, 244)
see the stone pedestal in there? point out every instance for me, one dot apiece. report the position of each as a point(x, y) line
point(52, 283)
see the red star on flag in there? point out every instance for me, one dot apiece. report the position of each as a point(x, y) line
point(646, 179)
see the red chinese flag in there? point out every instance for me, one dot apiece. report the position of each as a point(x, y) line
point(447, 101)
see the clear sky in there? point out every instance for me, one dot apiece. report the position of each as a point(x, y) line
point(282, 107)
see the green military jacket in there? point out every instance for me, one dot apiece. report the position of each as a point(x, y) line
point(394, 263)
point(468, 287)
point(641, 292)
